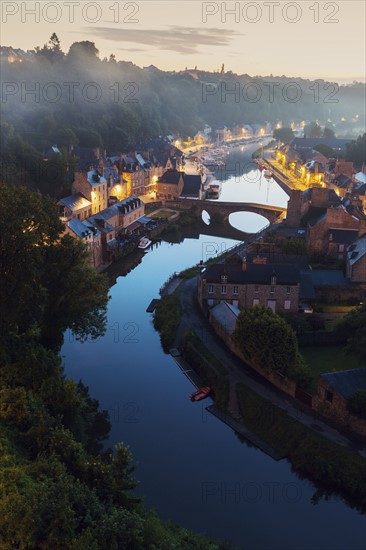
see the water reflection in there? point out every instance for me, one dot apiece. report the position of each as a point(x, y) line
point(247, 222)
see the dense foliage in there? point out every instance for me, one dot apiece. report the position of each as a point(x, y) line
point(58, 488)
point(351, 330)
point(334, 469)
point(266, 340)
point(167, 318)
point(79, 99)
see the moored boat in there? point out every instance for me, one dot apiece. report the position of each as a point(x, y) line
point(144, 243)
point(201, 393)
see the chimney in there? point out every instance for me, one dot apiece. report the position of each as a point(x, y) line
point(244, 264)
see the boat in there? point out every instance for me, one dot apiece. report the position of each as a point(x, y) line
point(267, 174)
point(201, 393)
point(144, 243)
point(214, 189)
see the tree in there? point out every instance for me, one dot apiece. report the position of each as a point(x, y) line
point(266, 340)
point(352, 331)
point(285, 135)
point(46, 284)
point(313, 130)
point(52, 50)
point(356, 150)
point(83, 50)
point(328, 133)
point(324, 150)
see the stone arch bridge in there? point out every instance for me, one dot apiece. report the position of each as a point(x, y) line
point(271, 213)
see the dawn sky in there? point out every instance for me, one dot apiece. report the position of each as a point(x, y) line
point(304, 38)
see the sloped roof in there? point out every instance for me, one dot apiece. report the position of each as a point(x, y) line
point(346, 382)
point(226, 315)
point(79, 228)
point(171, 176)
point(357, 250)
point(253, 274)
point(75, 202)
point(308, 143)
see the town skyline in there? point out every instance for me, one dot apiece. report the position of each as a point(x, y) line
point(172, 37)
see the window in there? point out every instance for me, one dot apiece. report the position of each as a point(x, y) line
point(341, 248)
point(273, 280)
point(236, 290)
point(255, 302)
point(272, 290)
point(210, 289)
point(287, 304)
point(256, 288)
point(288, 290)
point(224, 279)
point(223, 289)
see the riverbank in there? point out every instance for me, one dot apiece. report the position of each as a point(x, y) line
point(325, 451)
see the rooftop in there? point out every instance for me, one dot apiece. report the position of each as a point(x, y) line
point(75, 202)
point(346, 382)
point(253, 274)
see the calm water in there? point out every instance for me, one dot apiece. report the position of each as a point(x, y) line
point(192, 468)
point(243, 182)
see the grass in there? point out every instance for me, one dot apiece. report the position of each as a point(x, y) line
point(328, 308)
point(167, 318)
point(334, 468)
point(328, 359)
point(163, 214)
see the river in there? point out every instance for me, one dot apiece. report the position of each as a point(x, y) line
point(192, 468)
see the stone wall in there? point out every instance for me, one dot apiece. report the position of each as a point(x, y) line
point(336, 409)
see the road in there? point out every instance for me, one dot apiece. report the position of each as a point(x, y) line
point(192, 318)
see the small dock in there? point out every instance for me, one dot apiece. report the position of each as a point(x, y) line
point(239, 427)
point(151, 307)
point(186, 369)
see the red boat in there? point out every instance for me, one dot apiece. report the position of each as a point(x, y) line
point(201, 393)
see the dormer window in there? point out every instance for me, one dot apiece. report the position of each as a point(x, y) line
point(223, 279)
point(273, 279)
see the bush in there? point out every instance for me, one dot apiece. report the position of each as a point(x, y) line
point(167, 319)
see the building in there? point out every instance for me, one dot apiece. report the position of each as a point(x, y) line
point(170, 185)
point(90, 235)
point(75, 206)
point(332, 232)
point(334, 391)
point(93, 185)
point(193, 186)
point(249, 283)
point(356, 261)
point(304, 145)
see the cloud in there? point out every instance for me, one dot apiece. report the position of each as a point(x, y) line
point(183, 40)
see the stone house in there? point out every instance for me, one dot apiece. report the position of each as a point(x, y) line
point(90, 235)
point(356, 261)
point(93, 185)
point(334, 390)
point(75, 206)
point(330, 234)
point(245, 284)
point(170, 185)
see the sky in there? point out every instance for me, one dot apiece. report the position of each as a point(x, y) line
point(307, 38)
